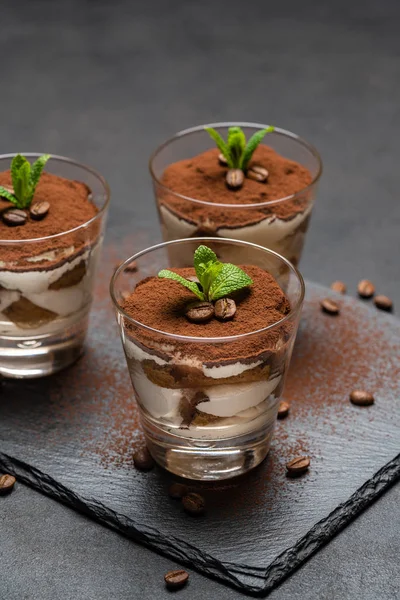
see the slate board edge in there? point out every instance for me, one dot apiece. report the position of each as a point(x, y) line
point(189, 555)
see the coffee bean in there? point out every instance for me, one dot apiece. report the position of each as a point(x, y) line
point(175, 580)
point(199, 311)
point(361, 398)
point(257, 173)
point(339, 286)
point(39, 210)
point(234, 179)
point(329, 306)
point(143, 460)
point(297, 466)
point(193, 504)
point(132, 267)
point(14, 216)
point(222, 160)
point(365, 288)
point(193, 278)
point(125, 294)
point(177, 490)
point(283, 410)
point(225, 309)
point(383, 302)
point(6, 483)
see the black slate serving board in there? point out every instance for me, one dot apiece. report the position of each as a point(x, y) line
point(72, 436)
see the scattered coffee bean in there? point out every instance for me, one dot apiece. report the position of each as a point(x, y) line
point(143, 460)
point(177, 490)
point(222, 160)
point(14, 216)
point(175, 580)
point(132, 267)
point(199, 311)
point(383, 302)
point(193, 504)
point(330, 307)
point(297, 466)
point(361, 398)
point(6, 483)
point(366, 289)
point(234, 179)
point(225, 309)
point(257, 173)
point(125, 294)
point(339, 286)
point(39, 210)
point(283, 410)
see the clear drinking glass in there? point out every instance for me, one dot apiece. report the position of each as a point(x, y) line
point(184, 217)
point(202, 419)
point(44, 311)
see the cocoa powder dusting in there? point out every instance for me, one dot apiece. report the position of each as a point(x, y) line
point(69, 208)
point(203, 178)
point(160, 303)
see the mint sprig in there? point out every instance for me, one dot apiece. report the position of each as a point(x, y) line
point(236, 150)
point(217, 279)
point(25, 178)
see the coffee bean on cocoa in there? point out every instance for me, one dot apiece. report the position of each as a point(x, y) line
point(177, 490)
point(143, 460)
point(175, 580)
point(39, 210)
point(297, 466)
point(199, 311)
point(132, 267)
point(366, 288)
point(222, 160)
point(257, 173)
point(339, 286)
point(234, 179)
point(7, 483)
point(225, 309)
point(361, 398)
point(283, 410)
point(193, 504)
point(330, 307)
point(14, 217)
point(383, 303)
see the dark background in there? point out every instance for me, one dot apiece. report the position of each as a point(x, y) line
point(105, 82)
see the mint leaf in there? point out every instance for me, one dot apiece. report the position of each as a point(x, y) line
point(236, 144)
point(222, 145)
point(19, 162)
point(229, 279)
point(36, 171)
point(190, 285)
point(202, 257)
point(24, 192)
point(251, 145)
point(7, 195)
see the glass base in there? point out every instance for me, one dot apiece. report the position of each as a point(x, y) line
point(31, 357)
point(207, 460)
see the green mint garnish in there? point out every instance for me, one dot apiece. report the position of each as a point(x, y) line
point(217, 279)
point(25, 178)
point(236, 150)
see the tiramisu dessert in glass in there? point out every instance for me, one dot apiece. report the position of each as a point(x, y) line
point(207, 347)
point(52, 218)
point(241, 180)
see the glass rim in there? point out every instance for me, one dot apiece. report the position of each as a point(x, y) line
point(293, 312)
point(73, 162)
point(278, 130)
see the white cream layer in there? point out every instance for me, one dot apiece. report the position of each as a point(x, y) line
point(227, 400)
point(33, 285)
point(270, 232)
point(217, 372)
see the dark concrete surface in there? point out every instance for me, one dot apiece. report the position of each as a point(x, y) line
point(105, 82)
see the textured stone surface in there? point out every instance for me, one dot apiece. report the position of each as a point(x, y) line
point(106, 82)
